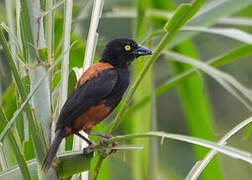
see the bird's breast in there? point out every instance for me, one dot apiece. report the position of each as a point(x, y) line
point(121, 86)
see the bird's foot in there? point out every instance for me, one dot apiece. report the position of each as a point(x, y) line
point(88, 149)
point(103, 142)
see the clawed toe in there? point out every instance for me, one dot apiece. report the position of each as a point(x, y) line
point(114, 144)
point(87, 149)
point(103, 142)
point(109, 152)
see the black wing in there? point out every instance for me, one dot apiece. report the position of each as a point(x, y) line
point(86, 95)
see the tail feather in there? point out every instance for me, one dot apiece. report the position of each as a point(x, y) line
point(53, 150)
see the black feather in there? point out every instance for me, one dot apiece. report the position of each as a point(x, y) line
point(53, 150)
point(86, 95)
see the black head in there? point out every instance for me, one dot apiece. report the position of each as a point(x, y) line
point(122, 51)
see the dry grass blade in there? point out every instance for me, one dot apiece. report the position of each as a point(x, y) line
point(200, 165)
point(219, 76)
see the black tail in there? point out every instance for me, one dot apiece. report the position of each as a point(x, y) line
point(53, 150)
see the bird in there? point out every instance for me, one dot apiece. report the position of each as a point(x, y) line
point(97, 92)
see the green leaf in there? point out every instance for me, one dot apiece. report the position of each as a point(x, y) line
point(40, 151)
point(26, 32)
point(140, 165)
point(70, 164)
point(200, 166)
point(242, 93)
point(196, 107)
point(209, 15)
point(19, 156)
point(9, 100)
point(228, 32)
point(227, 150)
point(28, 147)
point(179, 13)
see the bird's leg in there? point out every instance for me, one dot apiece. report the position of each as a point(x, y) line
point(102, 142)
point(106, 136)
point(90, 143)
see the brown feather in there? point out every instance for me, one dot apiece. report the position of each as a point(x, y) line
point(93, 72)
point(89, 118)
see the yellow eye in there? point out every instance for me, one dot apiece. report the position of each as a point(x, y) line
point(127, 47)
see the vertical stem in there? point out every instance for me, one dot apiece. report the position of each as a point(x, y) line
point(14, 145)
point(11, 20)
point(49, 28)
point(49, 41)
point(92, 34)
point(153, 143)
point(65, 62)
point(41, 99)
point(32, 34)
point(3, 161)
point(38, 143)
point(140, 160)
point(90, 48)
point(18, 9)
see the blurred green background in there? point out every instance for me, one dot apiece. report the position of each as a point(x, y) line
point(175, 159)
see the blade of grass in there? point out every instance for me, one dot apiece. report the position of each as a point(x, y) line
point(14, 41)
point(26, 31)
point(197, 110)
point(65, 62)
point(141, 11)
point(70, 163)
point(233, 33)
point(92, 33)
point(3, 160)
point(158, 14)
point(37, 144)
point(18, 24)
point(153, 168)
point(19, 156)
point(90, 51)
point(29, 96)
point(210, 14)
point(11, 21)
point(194, 173)
point(50, 27)
point(195, 105)
point(140, 159)
point(49, 22)
point(234, 20)
point(31, 27)
point(227, 150)
point(41, 101)
point(228, 32)
point(245, 92)
point(23, 96)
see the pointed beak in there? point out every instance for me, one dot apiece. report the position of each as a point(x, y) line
point(142, 51)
